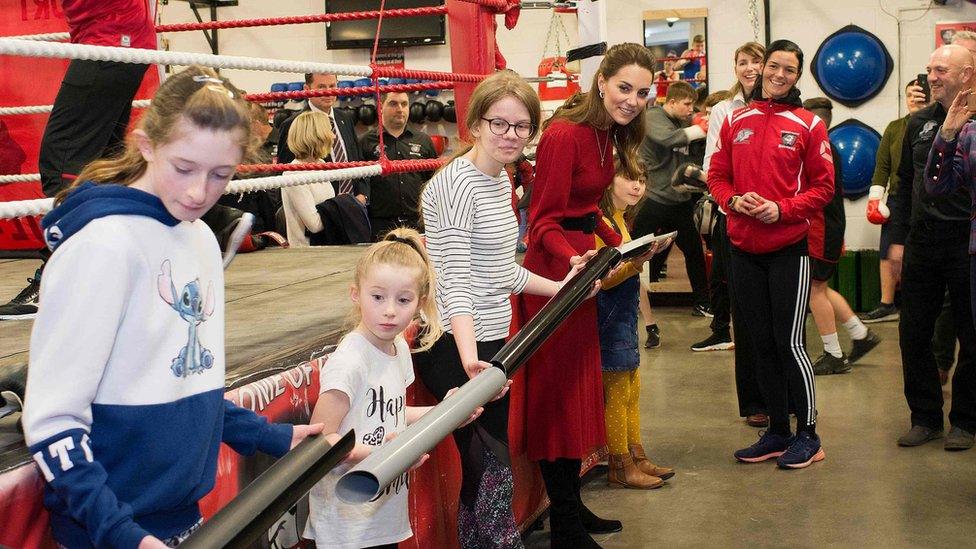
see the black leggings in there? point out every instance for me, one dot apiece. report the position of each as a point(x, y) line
point(746, 383)
point(89, 120)
point(772, 290)
point(485, 517)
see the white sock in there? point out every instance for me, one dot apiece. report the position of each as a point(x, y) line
point(855, 328)
point(832, 345)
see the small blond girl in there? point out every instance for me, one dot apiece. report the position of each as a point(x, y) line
point(363, 386)
point(310, 138)
point(617, 306)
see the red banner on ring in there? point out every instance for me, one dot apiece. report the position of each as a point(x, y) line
point(31, 81)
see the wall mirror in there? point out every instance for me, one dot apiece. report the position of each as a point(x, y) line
point(678, 38)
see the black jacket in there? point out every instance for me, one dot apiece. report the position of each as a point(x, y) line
point(912, 204)
point(397, 194)
point(835, 223)
point(345, 222)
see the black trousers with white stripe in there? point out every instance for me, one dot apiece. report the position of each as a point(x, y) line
point(771, 293)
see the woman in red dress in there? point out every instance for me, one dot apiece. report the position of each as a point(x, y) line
point(574, 166)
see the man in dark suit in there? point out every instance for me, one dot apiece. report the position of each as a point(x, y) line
point(346, 147)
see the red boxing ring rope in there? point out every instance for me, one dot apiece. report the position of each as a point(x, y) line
point(359, 90)
point(302, 19)
point(498, 5)
point(380, 71)
point(301, 167)
point(672, 58)
point(404, 166)
point(389, 166)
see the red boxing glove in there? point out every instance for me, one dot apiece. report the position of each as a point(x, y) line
point(877, 212)
point(701, 121)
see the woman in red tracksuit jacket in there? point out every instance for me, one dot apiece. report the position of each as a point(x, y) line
point(772, 169)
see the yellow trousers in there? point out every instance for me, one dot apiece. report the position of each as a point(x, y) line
point(621, 394)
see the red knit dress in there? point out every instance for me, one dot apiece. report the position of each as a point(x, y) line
point(564, 383)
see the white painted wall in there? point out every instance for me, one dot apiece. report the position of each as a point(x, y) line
point(907, 29)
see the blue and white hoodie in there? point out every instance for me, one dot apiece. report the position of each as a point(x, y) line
point(125, 407)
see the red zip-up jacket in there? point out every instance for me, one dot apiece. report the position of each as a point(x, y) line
point(781, 152)
point(123, 23)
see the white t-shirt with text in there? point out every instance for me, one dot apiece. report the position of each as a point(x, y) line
point(376, 384)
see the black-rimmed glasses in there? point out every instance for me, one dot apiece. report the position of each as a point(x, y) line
point(500, 126)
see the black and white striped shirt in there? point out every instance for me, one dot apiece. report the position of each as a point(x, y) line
point(471, 235)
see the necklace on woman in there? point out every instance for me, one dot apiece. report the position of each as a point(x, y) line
point(601, 147)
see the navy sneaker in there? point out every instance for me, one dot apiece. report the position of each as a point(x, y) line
point(769, 446)
point(804, 451)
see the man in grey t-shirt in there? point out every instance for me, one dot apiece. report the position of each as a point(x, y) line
point(665, 147)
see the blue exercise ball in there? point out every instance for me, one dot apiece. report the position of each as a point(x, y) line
point(856, 144)
point(852, 66)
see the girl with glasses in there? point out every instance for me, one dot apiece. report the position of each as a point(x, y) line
point(471, 234)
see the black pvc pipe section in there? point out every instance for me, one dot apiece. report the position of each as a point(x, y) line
point(260, 504)
point(527, 341)
point(766, 19)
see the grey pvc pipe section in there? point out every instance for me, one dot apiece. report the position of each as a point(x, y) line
point(249, 515)
point(366, 480)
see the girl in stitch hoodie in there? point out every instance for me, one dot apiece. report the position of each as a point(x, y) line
point(125, 408)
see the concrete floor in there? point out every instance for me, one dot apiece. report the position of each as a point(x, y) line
point(868, 492)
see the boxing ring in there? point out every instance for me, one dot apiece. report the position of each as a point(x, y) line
point(275, 341)
point(272, 368)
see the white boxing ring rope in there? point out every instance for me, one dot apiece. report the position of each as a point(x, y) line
point(29, 48)
point(42, 109)
point(40, 206)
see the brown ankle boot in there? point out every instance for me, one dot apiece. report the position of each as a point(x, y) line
point(645, 465)
point(624, 473)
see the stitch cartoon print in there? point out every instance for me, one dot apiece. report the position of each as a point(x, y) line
point(194, 308)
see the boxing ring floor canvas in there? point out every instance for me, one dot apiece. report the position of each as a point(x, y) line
point(284, 308)
point(278, 302)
